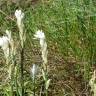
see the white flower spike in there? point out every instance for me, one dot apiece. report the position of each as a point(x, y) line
point(33, 70)
point(4, 44)
point(11, 42)
point(19, 15)
point(41, 36)
point(3, 41)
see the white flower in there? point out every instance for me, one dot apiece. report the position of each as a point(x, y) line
point(39, 34)
point(3, 41)
point(11, 42)
point(33, 70)
point(19, 15)
point(4, 44)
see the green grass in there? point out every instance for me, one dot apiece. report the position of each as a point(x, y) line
point(69, 26)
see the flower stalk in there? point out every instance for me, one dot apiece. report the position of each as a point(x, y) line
point(19, 16)
point(7, 44)
point(47, 81)
point(4, 44)
point(12, 52)
point(41, 36)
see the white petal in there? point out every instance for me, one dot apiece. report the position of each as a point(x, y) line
point(4, 41)
point(39, 34)
point(19, 14)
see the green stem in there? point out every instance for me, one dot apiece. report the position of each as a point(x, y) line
point(21, 71)
point(11, 82)
point(11, 93)
point(34, 87)
point(16, 84)
point(46, 92)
